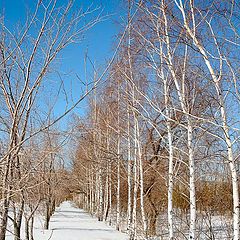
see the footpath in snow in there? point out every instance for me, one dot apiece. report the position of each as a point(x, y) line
point(71, 223)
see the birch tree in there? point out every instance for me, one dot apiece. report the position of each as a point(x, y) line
point(216, 78)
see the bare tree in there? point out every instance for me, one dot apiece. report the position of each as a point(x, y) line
point(25, 67)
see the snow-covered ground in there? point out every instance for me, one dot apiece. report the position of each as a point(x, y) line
point(71, 223)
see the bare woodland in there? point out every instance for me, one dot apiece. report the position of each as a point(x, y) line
point(156, 154)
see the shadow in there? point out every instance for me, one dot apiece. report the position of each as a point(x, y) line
point(59, 220)
point(84, 229)
point(65, 211)
point(79, 217)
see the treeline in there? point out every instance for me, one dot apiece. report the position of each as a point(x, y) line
point(158, 151)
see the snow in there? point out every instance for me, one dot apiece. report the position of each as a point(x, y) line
point(71, 223)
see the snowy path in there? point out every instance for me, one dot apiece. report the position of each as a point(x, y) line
point(70, 223)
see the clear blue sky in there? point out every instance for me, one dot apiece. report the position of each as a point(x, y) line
point(99, 41)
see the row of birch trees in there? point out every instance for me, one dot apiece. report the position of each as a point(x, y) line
point(158, 152)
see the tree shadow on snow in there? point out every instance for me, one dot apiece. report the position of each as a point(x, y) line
point(84, 229)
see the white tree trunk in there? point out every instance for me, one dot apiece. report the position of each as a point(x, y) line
point(141, 177)
point(170, 183)
point(118, 191)
point(100, 195)
point(134, 208)
point(110, 194)
point(181, 98)
point(170, 171)
point(106, 198)
point(216, 81)
point(129, 170)
point(92, 193)
point(191, 182)
point(118, 158)
point(136, 179)
point(170, 146)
